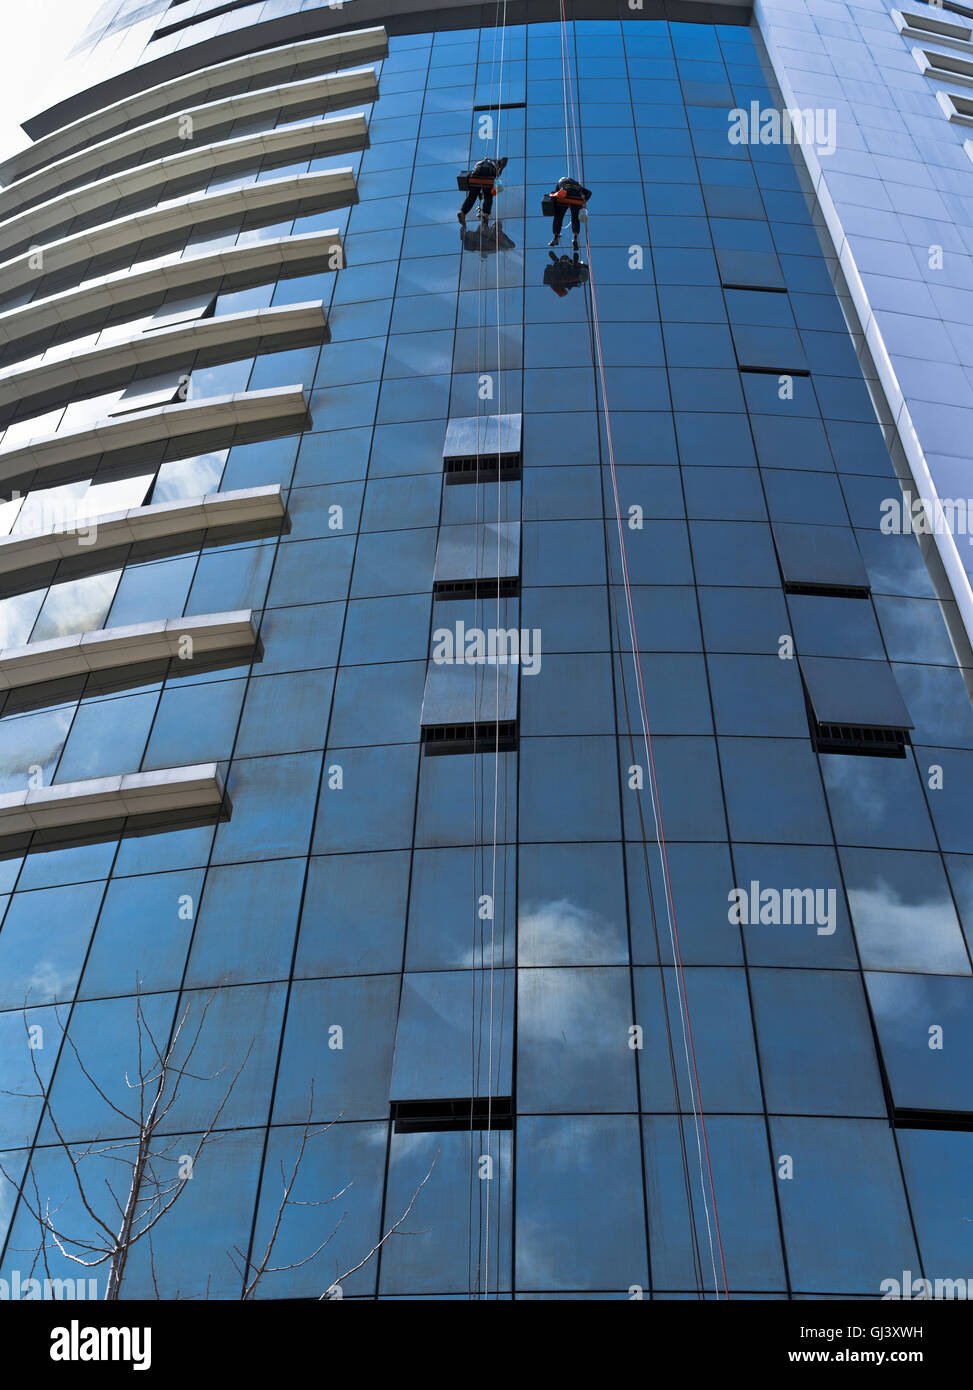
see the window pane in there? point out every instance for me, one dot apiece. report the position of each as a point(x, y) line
point(580, 1212)
point(743, 1183)
point(925, 1030)
point(846, 1224)
point(454, 1036)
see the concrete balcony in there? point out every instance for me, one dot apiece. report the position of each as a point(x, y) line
point(336, 135)
point(225, 268)
point(173, 95)
point(312, 95)
point(168, 521)
point(203, 341)
point(280, 410)
point(99, 799)
point(275, 198)
point(114, 648)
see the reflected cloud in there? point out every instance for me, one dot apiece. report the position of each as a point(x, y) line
point(895, 998)
point(44, 734)
point(558, 931)
point(47, 982)
point(860, 786)
point(562, 1005)
point(894, 933)
point(79, 605)
point(17, 615)
point(191, 477)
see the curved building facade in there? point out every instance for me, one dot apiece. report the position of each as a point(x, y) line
point(485, 735)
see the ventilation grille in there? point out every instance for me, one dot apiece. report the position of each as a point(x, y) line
point(482, 737)
point(425, 1116)
point(860, 738)
point(751, 370)
point(748, 285)
point(932, 1119)
point(793, 586)
point(477, 588)
point(481, 468)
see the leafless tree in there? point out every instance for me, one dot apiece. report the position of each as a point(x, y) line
point(252, 1273)
point(154, 1177)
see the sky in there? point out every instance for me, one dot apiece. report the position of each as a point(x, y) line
point(37, 35)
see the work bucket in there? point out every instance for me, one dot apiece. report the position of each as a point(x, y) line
point(470, 180)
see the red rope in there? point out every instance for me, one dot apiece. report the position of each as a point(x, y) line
point(647, 736)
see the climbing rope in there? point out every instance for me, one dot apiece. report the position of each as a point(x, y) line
point(707, 1188)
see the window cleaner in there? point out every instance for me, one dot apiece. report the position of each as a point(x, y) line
point(480, 183)
point(567, 193)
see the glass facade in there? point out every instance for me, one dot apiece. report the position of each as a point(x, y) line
point(432, 922)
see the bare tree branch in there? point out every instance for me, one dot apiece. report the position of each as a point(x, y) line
point(390, 1232)
point(149, 1191)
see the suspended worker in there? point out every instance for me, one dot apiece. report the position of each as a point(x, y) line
point(480, 182)
point(567, 193)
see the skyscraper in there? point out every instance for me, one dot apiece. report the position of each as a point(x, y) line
point(486, 734)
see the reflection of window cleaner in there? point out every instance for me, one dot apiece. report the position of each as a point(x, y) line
point(567, 193)
point(489, 237)
point(480, 184)
point(565, 273)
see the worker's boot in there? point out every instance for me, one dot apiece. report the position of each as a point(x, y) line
point(554, 241)
point(462, 219)
point(574, 243)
